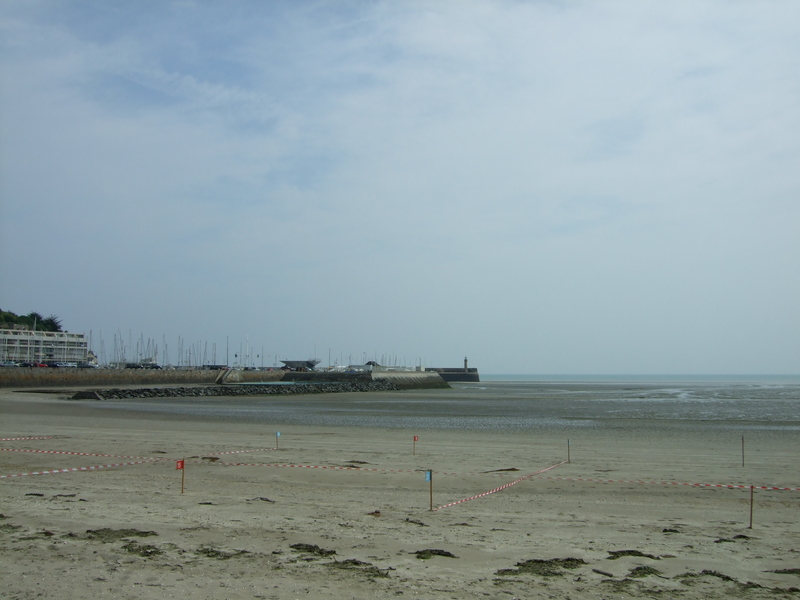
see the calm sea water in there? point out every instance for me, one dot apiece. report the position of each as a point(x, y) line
point(522, 402)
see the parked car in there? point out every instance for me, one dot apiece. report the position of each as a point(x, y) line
point(8, 363)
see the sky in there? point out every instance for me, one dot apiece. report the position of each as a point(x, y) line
point(543, 186)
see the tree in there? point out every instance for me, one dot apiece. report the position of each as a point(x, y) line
point(51, 323)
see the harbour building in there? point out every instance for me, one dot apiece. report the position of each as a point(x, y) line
point(24, 345)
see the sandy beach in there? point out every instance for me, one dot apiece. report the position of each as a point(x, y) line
point(256, 521)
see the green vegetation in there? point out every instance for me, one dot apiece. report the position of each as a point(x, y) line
point(9, 319)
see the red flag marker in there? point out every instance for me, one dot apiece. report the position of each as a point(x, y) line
point(179, 466)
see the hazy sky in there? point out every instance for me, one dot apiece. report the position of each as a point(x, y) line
point(543, 186)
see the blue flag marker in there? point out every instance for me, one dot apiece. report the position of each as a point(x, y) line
point(427, 475)
point(277, 434)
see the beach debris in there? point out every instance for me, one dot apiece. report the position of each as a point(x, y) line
point(375, 513)
point(312, 549)
point(606, 573)
point(211, 458)
point(415, 522)
point(430, 553)
point(207, 503)
point(2, 516)
point(543, 567)
point(112, 535)
point(47, 533)
point(263, 498)
point(210, 552)
point(464, 524)
point(668, 530)
point(615, 554)
point(501, 470)
point(358, 462)
point(65, 495)
point(34, 494)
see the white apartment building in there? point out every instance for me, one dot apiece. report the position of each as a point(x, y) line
point(20, 345)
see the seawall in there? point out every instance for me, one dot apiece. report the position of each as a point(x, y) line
point(21, 377)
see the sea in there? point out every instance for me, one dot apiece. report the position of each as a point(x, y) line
point(741, 403)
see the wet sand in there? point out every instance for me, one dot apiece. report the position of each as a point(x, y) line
point(243, 529)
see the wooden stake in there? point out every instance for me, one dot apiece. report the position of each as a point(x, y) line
point(430, 478)
point(742, 450)
point(414, 447)
point(751, 507)
point(183, 476)
point(568, 457)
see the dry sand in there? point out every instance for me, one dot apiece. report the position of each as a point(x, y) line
point(128, 532)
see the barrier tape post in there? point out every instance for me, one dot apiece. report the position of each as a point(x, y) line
point(742, 450)
point(414, 446)
point(277, 438)
point(751, 507)
point(181, 466)
point(568, 458)
point(429, 477)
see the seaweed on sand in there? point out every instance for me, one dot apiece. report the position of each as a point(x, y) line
point(364, 568)
point(210, 552)
point(542, 567)
point(312, 549)
point(645, 571)
point(615, 554)
point(430, 553)
point(146, 550)
point(112, 535)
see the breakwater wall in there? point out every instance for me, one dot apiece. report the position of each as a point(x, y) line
point(93, 378)
point(253, 389)
point(404, 380)
point(22, 377)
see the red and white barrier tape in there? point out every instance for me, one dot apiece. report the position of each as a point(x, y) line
point(242, 451)
point(72, 453)
point(30, 438)
point(334, 468)
point(93, 468)
point(502, 487)
point(718, 485)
